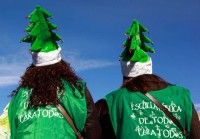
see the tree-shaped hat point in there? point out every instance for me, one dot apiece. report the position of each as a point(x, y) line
point(136, 47)
point(39, 31)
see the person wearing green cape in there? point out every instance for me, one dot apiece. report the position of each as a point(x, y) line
point(133, 112)
point(48, 82)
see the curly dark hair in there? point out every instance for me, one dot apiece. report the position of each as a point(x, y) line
point(144, 83)
point(45, 81)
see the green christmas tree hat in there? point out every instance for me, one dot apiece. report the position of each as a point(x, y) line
point(134, 59)
point(44, 49)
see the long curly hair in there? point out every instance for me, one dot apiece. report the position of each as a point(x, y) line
point(144, 83)
point(45, 81)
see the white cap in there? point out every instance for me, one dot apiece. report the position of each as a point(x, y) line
point(134, 69)
point(46, 58)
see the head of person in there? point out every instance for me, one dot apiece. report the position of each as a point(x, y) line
point(44, 76)
point(136, 64)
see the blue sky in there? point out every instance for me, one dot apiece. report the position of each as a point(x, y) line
point(93, 32)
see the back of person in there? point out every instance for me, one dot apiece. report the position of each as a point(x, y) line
point(46, 121)
point(49, 89)
point(145, 106)
point(133, 115)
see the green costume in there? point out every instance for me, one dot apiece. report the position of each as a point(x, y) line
point(133, 115)
point(47, 122)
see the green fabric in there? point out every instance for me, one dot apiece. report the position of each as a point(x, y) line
point(135, 46)
point(134, 116)
point(47, 122)
point(39, 32)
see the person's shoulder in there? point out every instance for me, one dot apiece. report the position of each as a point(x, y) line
point(77, 89)
point(180, 90)
point(117, 92)
point(78, 82)
point(178, 87)
point(21, 91)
